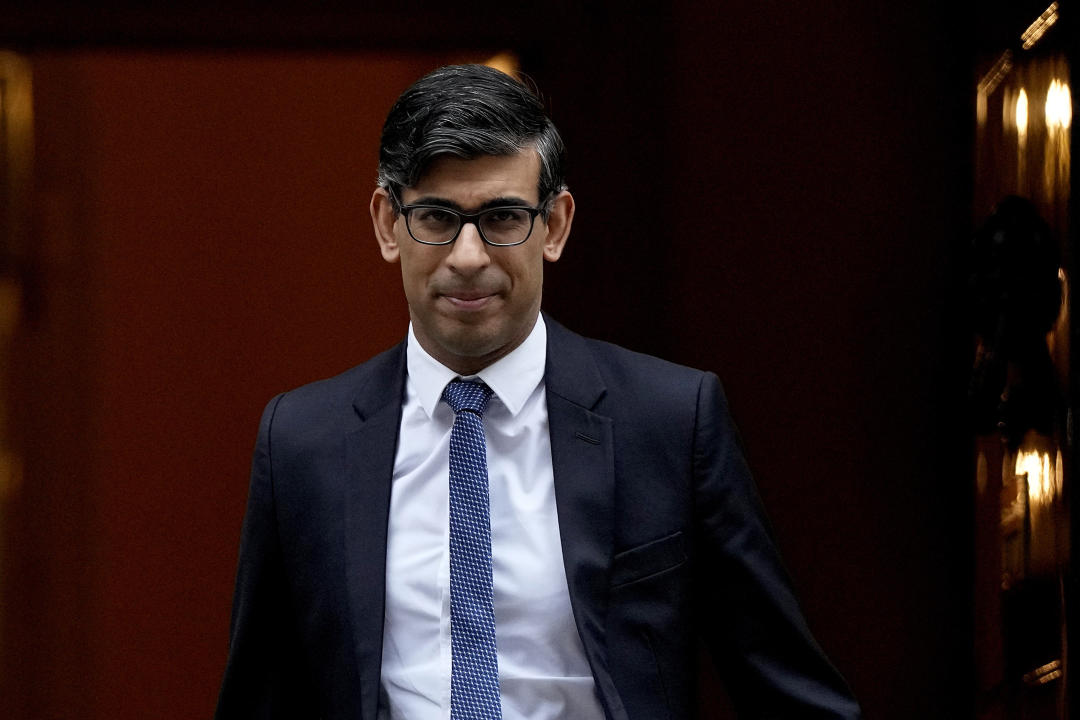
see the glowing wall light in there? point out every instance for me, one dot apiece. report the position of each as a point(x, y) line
point(1058, 105)
point(1043, 479)
point(1021, 114)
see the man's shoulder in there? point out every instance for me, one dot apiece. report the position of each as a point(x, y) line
point(362, 389)
point(605, 376)
point(613, 362)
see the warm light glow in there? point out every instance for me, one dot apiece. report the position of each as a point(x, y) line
point(1059, 474)
point(506, 62)
point(1038, 28)
point(1058, 105)
point(1044, 674)
point(1021, 114)
point(1034, 522)
point(989, 82)
point(1041, 477)
point(1057, 339)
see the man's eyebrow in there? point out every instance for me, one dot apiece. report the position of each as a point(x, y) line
point(506, 201)
point(501, 201)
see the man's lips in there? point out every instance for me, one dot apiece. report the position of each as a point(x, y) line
point(468, 299)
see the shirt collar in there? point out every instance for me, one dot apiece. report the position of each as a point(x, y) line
point(512, 378)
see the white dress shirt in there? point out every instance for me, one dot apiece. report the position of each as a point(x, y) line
point(543, 673)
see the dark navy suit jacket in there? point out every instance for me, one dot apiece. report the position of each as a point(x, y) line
point(664, 543)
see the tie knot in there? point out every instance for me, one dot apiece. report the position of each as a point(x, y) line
point(467, 395)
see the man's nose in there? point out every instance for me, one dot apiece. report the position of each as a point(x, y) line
point(469, 251)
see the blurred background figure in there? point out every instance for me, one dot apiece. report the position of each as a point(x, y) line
point(1016, 298)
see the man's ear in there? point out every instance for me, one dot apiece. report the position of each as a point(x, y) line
point(383, 218)
point(558, 224)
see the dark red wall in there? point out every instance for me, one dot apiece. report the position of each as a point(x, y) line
point(834, 173)
point(204, 242)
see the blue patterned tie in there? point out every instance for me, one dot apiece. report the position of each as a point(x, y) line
point(474, 675)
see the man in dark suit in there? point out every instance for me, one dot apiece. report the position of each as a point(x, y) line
point(498, 517)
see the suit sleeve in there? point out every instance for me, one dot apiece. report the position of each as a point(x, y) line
point(753, 625)
point(264, 676)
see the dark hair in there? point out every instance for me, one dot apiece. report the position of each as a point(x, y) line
point(468, 111)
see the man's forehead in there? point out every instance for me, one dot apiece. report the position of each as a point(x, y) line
point(480, 178)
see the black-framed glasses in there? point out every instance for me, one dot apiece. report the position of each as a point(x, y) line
point(501, 226)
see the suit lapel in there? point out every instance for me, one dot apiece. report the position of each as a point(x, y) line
point(369, 465)
point(583, 463)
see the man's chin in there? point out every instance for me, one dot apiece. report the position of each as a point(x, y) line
point(469, 340)
point(473, 342)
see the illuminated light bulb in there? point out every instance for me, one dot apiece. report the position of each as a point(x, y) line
point(1041, 476)
point(1021, 114)
point(1058, 105)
